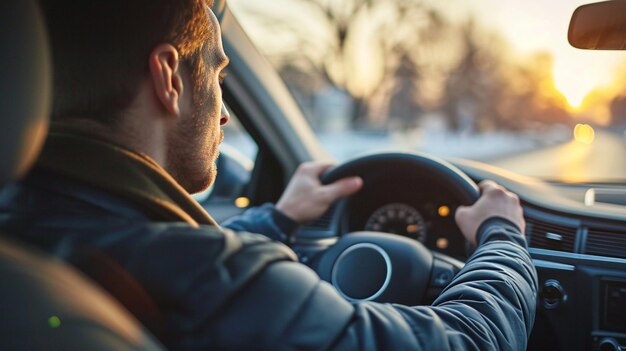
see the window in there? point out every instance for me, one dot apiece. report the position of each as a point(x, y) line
point(488, 80)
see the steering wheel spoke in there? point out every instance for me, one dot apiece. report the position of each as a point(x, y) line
point(443, 271)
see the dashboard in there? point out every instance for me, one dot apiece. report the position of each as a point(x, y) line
point(579, 250)
point(424, 212)
point(578, 246)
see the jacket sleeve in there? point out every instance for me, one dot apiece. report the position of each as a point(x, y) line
point(265, 220)
point(490, 305)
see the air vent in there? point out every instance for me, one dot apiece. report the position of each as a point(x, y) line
point(550, 236)
point(606, 243)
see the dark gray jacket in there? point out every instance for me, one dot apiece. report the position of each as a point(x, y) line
point(219, 289)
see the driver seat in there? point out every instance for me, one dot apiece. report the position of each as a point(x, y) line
point(44, 303)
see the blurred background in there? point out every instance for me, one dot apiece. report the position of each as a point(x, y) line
point(488, 80)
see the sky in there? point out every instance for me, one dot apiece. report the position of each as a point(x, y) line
point(541, 25)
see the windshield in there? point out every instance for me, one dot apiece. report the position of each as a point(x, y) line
point(488, 80)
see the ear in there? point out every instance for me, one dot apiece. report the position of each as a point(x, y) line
point(166, 77)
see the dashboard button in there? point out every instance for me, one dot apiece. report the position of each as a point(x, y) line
point(442, 274)
point(553, 294)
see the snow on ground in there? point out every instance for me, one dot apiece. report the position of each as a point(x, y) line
point(442, 143)
point(435, 141)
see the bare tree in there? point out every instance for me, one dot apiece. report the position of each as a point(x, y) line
point(361, 44)
point(490, 90)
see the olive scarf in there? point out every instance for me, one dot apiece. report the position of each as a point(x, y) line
point(121, 172)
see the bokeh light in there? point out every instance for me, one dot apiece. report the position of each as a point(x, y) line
point(54, 322)
point(242, 202)
point(584, 133)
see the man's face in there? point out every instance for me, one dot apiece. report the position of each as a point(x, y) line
point(193, 145)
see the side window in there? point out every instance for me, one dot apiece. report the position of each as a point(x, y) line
point(227, 195)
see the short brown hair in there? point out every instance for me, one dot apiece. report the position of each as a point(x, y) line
point(101, 49)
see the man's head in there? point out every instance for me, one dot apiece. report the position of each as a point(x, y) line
point(122, 62)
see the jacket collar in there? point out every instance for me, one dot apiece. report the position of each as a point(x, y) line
point(121, 172)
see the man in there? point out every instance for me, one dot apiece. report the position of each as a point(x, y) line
point(137, 117)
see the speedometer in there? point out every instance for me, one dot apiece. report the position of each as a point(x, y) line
point(398, 219)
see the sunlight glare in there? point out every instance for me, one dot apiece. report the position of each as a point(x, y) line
point(577, 76)
point(574, 96)
point(576, 72)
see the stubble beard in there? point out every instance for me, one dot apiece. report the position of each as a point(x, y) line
point(193, 152)
point(213, 154)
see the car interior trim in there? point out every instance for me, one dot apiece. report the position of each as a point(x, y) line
point(553, 265)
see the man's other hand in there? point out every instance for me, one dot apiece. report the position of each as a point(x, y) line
point(495, 201)
point(306, 199)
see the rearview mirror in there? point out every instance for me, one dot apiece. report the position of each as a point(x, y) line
point(599, 26)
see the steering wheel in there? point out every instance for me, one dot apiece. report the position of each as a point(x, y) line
point(374, 266)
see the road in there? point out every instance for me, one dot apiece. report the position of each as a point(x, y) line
point(603, 160)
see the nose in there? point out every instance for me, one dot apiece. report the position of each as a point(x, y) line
point(225, 115)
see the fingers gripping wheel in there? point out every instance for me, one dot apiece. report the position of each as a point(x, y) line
point(368, 266)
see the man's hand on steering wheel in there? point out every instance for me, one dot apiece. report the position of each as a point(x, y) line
point(495, 201)
point(306, 198)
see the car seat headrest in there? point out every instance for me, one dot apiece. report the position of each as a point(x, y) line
point(25, 86)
